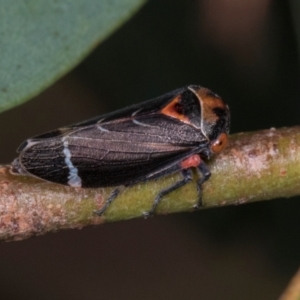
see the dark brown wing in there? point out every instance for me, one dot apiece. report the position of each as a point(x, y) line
point(113, 153)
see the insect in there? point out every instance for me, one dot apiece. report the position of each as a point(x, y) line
point(171, 133)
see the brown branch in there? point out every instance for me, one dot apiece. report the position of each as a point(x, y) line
point(255, 166)
point(292, 292)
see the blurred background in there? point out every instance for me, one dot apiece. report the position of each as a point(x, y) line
point(246, 51)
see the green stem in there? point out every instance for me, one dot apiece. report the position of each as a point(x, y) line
point(255, 166)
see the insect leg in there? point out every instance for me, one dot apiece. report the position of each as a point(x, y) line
point(204, 175)
point(110, 199)
point(187, 176)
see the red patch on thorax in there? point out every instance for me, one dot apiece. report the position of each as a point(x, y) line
point(192, 161)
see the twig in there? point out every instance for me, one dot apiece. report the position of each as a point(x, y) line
point(255, 166)
point(292, 292)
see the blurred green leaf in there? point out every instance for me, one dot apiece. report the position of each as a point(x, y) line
point(42, 40)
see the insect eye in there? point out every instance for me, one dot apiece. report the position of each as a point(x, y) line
point(219, 144)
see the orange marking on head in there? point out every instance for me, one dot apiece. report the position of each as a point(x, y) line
point(192, 161)
point(209, 102)
point(174, 109)
point(220, 143)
